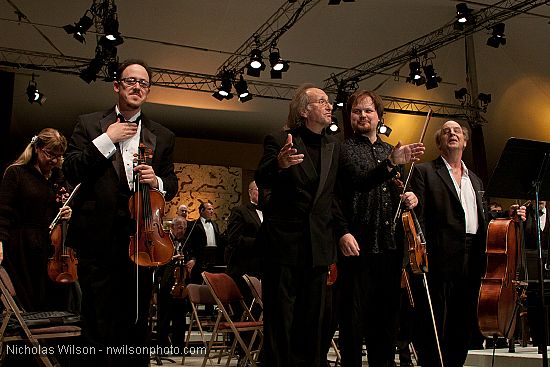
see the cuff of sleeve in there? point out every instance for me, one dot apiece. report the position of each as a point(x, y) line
point(389, 163)
point(104, 144)
point(161, 185)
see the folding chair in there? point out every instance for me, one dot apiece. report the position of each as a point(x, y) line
point(17, 325)
point(225, 292)
point(255, 286)
point(200, 295)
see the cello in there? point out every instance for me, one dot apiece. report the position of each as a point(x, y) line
point(62, 266)
point(150, 246)
point(498, 296)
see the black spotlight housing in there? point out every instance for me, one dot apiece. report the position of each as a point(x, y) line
point(241, 87)
point(498, 37)
point(484, 98)
point(333, 128)
point(463, 13)
point(33, 95)
point(382, 128)
point(224, 91)
point(461, 93)
point(432, 79)
point(79, 29)
point(112, 71)
point(415, 74)
point(112, 37)
point(256, 64)
point(90, 73)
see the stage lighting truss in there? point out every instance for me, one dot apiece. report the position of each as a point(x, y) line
point(33, 95)
point(497, 37)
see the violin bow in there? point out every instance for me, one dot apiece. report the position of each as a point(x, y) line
point(58, 216)
point(422, 135)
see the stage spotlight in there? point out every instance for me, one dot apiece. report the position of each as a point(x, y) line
point(90, 73)
point(383, 129)
point(112, 37)
point(415, 74)
point(463, 13)
point(256, 64)
point(112, 71)
point(461, 94)
point(341, 98)
point(79, 29)
point(224, 91)
point(432, 79)
point(333, 128)
point(498, 37)
point(278, 65)
point(241, 87)
point(33, 95)
point(484, 98)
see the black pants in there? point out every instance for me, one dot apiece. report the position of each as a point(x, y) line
point(455, 309)
point(293, 308)
point(369, 307)
point(109, 305)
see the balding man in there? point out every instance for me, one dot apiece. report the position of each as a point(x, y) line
point(450, 212)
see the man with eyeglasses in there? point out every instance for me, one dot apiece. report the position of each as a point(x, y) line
point(298, 167)
point(100, 156)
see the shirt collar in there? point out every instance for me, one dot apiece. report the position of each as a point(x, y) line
point(136, 117)
point(464, 169)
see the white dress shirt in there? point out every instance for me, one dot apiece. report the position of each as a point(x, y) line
point(209, 230)
point(467, 196)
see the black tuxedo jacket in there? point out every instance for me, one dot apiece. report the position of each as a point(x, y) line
point(443, 221)
point(242, 254)
point(196, 245)
point(100, 209)
point(298, 219)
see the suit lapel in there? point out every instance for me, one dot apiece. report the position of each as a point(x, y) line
point(253, 213)
point(443, 172)
point(327, 150)
point(147, 136)
point(116, 161)
point(307, 165)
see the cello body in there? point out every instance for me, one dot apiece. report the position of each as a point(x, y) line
point(498, 294)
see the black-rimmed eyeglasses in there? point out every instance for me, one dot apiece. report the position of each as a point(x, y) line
point(132, 81)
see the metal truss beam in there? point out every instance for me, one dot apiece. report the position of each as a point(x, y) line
point(268, 33)
point(41, 61)
point(442, 36)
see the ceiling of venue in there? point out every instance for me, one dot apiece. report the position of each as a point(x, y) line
point(371, 41)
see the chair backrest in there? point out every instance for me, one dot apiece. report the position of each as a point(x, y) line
point(6, 280)
point(255, 285)
point(223, 286)
point(200, 294)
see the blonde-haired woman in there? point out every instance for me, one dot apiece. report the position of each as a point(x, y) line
point(29, 201)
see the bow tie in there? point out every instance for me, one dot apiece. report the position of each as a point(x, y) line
point(542, 211)
point(207, 221)
point(122, 119)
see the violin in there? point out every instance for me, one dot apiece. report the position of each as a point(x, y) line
point(150, 245)
point(62, 266)
point(332, 274)
point(181, 276)
point(498, 295)
point(418, 256)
